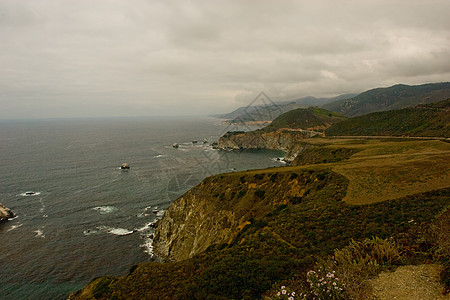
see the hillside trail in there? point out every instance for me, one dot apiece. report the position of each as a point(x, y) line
point(409, 283)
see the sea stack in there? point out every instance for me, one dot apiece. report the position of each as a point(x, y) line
point(5, 213)
point(125, 166)
point(175, 145)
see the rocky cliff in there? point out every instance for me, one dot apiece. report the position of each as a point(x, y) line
point(5, 213)
point(288, 141)
point(216, 210)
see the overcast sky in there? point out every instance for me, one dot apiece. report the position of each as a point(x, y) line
point(75, 58)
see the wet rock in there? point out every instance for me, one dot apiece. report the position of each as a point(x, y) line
point(5, 213)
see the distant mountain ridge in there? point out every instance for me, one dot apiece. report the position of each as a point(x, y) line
point(270, 111)
point(390, 98)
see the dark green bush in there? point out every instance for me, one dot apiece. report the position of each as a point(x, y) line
point(260, 193)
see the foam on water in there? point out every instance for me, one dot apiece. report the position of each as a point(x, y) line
point(89, 232)
point(148, 244)
point(146, 226)
point(107, 209)
point(115, 231)
point(39, 232)
point(30, 194)
point(14, 227)
point(142, 215)
point(279, 159)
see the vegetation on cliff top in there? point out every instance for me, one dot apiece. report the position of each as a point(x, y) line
point(305, 118)
point(390, 98)
point(424, 120)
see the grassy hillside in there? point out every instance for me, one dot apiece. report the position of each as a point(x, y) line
point(326, 206)
point(394, 97)
point(424, 120)
point(305, 118)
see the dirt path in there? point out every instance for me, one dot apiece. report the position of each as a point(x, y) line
point(409, 283)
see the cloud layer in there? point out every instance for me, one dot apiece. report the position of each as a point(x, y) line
point(65, 58)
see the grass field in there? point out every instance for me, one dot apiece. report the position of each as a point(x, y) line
point(389, 169)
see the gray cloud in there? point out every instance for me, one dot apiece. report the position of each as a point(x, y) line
point(64, 58)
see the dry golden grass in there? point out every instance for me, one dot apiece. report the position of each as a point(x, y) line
point(385, 169)
point(390, 170)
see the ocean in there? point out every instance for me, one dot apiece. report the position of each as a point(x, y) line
point(79, 216)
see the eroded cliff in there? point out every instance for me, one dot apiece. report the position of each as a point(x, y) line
point(217, 209)
point(288, 141)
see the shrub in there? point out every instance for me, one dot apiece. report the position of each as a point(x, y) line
point(360, 261)
point(322, 176)
point(258, 176)
point(101, 287)
point(293, 176)
point(273, 177)
point(442, 232)
point(260, 193)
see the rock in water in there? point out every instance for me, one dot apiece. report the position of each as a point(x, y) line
point(5, 213)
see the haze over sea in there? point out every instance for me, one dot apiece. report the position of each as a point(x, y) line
point(87, 217)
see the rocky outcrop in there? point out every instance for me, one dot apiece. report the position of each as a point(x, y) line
point(5, 213)
point(288, 141)
point(191, 224)
point(217, 209)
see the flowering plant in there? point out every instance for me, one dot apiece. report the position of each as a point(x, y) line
point(325, 284)
point(286, 293)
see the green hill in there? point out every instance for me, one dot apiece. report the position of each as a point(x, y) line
point(423, 120)
point(390, 98)
point(305, 118)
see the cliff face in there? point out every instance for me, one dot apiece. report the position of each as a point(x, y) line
point(5, 213)
point(284, 140)
point(217, 209)
point(191, 224)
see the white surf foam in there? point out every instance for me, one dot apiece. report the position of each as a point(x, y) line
point(107, 209)
point(89, 232)
point(146, 226)
point(279, 159)
point(115, 231)
point(39, 232)
point(29, 194)
point(14, 227)
point(147, 244)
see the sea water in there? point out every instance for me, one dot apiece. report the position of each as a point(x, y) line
point(79, 215)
